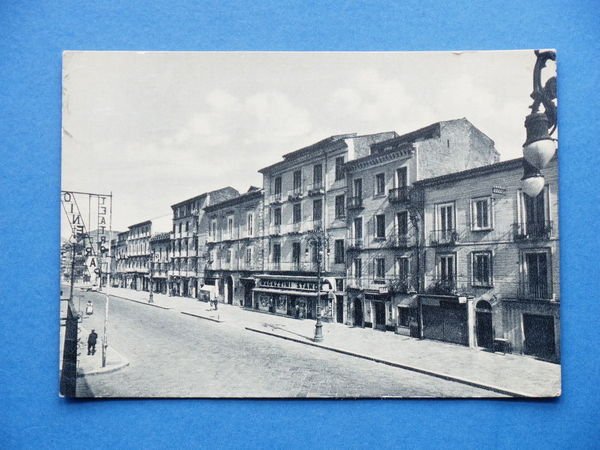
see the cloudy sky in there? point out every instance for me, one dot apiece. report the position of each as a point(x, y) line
point(157, 128)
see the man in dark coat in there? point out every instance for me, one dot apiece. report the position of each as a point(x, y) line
point(92, 338)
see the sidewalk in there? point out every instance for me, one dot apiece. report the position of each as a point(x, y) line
point(88, 365)
point(513, 375)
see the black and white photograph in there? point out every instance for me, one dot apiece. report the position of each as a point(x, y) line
point(309, 225)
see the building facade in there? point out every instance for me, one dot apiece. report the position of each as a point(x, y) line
point(305, 227)
point(160, 260)
point(491, 260)
point(188, 250)
point(138, 256)
point(235, 247)
point(119, 260)
point(384, 234)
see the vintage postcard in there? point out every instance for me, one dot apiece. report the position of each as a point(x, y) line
point(302, 224)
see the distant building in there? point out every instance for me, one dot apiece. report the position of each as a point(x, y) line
point(119, 260)
point(235, 247)
point(491, 260)
point(138, 256)
point(188, 253)
point(381, 220)
point(160, 259)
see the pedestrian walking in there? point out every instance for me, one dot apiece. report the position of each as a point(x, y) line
point(92, 338)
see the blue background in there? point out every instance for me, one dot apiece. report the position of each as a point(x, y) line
point(32, 37)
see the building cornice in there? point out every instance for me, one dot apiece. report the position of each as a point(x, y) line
point(379, 158)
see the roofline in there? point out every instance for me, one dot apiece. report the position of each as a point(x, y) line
point(511, 164)
point(197, 197)
point(235, 200)
point(145, 222)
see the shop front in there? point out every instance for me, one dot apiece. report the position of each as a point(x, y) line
point(293, 296)
point(445, 318)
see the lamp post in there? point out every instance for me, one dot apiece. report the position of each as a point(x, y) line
point(320, 241)
point(539, 146)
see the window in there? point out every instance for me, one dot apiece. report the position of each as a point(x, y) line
point(180, 228)
point(358, 228)
point(296, 255)
point(340, 210)
point(403, 317)
point(481, 213)
point(317, 210)
point(446, 217)
point(297, 213)
point(250, 224)
point(357, 267)
point(339, 168)
point(248, 256)
point(446, 270)
point(230, 227)
point(277, 216)
point(401, 177)
point(482, 268)
point(402, 223)
point(402, 268)
point(213, 229)
point(380, 226)
point(318, 175)
point(277, 253)
point(357, 188)
point(228, 256)
point(277, 187)
point(297, 181)
point(187, 226)
point(339, 251)
point(380, 184)
point(339, 284)
point(536, 274)
point(379, 268)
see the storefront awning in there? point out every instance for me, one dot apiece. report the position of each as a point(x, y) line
point(408, 302)
point(285, 292)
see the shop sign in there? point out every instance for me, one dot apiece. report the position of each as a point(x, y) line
point(289, 284)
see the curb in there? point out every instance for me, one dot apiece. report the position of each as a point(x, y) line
point(107, 369)
point(140, 302)
point(398, 365)
point(201, 317)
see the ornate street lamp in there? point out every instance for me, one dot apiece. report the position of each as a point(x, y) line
point(319, 239)
point(539, 147)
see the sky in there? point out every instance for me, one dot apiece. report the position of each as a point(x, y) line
point(155, 128)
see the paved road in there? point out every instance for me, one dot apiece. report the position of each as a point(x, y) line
point(173, 355)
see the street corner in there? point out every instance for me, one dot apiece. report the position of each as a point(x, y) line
point(90, 365)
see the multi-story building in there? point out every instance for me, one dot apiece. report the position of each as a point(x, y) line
point(160, 257)
point(235, 246)
point(305, 196)
point(491, 260)
point(119, 260)
point(138, 256)
point(384, 237)
point(187, 240)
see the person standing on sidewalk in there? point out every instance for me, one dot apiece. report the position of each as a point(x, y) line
point(92, 338)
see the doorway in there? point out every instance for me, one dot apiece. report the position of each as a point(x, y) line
point(358, 313)
point(339, 311)
point(229, 289)
point(379, 322)
point(485, 331)
point(539, 336)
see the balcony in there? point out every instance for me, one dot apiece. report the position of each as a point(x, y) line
point(533, 231)
point(354, 203)
point(294, 228)
point(535, 291)
point(355, 244)
point(399, 241)
point(444, 237)
point(316, 189)
point(295, 194)
point(443, 286)
point(399, 195)
point(400, 285)
point(354, 283)
point(275, 230)
point(314, 225)
point(276, 198)
point(294, 266)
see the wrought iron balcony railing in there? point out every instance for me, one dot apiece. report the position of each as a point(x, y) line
point(276, 198)
point(443, 286)
point(295, 194)
point(444, 237)
point(354, 203)
point(399, 241)
point(355, 244)
point(535, 291)
point(316, 189)
point(399, 194)
point(533, 230)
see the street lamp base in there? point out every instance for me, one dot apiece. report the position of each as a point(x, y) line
point(318, 331)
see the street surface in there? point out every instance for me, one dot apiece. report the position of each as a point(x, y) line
point(174, 355)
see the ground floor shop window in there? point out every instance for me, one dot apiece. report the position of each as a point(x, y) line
point(403, 317)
